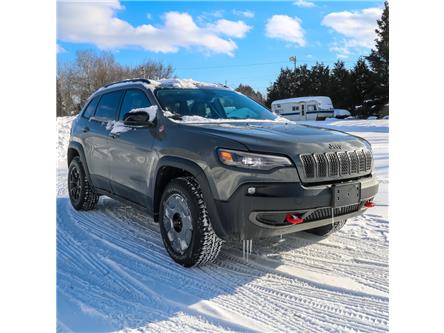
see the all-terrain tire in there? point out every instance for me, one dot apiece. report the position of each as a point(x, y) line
point(81, 193)
point(205, 245)
point(328, 229)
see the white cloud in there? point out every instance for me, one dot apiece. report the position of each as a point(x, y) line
point(286, 28)
point(60, 49)
point(342, 49)
point(304, 4)
point(215, 13)
point(244, 13)
point(97, 23)
point(230, 28)
point(357, 28)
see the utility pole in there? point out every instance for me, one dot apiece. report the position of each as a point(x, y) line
point(293, 60)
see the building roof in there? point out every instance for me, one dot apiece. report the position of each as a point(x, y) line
point(320, 99)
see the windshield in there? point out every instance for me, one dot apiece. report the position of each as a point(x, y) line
point(211, 104)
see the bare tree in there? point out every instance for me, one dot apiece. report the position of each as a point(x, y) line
point(250, 92)
point(78, 79)
point(153, 70)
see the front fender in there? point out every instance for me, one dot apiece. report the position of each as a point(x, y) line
point(196, 171)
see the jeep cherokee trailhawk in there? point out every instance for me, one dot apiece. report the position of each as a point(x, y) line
point(211, 165)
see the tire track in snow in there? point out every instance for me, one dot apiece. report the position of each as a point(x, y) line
point(111, 238)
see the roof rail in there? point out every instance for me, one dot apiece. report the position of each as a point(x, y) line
point(128, 80)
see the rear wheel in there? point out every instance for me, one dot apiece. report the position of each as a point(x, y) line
point(81, 194)
point(328, 229)
point(185, 225)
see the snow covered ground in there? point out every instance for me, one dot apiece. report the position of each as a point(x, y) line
point(114, 274)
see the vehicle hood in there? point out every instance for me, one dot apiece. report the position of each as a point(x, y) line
point(290, 139)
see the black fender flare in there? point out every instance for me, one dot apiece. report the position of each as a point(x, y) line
point(77, 146)
point(196, 171)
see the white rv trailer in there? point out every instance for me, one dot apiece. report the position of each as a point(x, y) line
point(304, 108)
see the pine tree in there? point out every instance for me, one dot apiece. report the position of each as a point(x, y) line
point(282, 88)
point(339, 87)
point(379, 60)
point(319, 80)
point(290, 83)
point(361, 87)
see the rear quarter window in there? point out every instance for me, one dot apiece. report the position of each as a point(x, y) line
point(89, 110)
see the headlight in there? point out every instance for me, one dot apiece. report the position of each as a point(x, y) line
point(246, 160)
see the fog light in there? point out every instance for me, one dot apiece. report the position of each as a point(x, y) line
point(251, 190)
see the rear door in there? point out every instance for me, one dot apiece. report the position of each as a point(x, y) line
point(131, 153)
point(97, 143)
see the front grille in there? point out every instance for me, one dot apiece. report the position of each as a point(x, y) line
point(321, 163)
point(353, 161)
point(368, 159)
point(333, 164)
point(361, 159)
point(339, 164)
point(309, 165)
point(325, 213)
point(344, 161)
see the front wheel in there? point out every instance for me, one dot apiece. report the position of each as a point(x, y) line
point(328, 229)
point(185, 226)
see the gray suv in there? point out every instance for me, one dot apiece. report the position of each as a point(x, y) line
point(212, 165)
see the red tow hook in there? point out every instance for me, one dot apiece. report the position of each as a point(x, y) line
point(293, 219)
point(369, 204)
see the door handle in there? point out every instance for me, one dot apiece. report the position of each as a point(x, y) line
point(85, 129)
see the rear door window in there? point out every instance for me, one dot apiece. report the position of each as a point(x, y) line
point(89, 111)
point(108, 105)
point(134, 99)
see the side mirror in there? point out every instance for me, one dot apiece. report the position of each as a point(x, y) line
point(138, 118)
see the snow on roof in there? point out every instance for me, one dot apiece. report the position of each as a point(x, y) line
point(324, 100)
point(182, 83)
point(167, 83)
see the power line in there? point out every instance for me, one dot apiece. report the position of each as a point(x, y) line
point(225, 66)
point(260, 64)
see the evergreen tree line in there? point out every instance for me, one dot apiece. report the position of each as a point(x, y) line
point(362, 89)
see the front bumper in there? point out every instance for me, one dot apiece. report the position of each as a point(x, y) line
point(261, 215)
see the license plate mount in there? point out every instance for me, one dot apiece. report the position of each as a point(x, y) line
point(346, 194)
